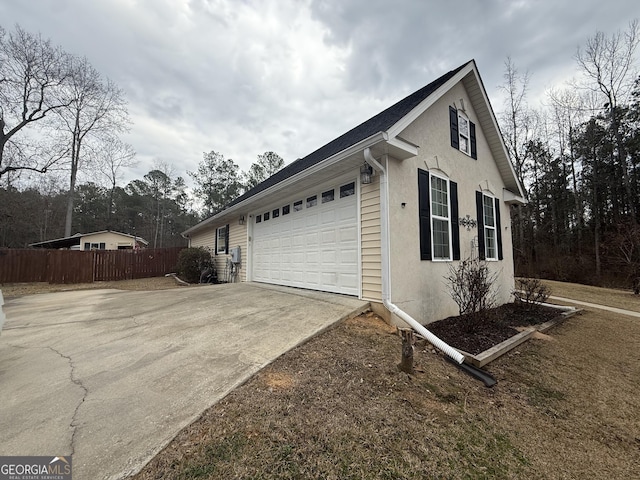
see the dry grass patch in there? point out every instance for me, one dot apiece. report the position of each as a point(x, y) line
point(603, 296)
point(337, 407)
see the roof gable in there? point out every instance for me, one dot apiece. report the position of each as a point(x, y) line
point(391, 122)
point(378, 123)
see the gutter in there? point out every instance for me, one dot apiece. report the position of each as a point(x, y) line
point(386, 270)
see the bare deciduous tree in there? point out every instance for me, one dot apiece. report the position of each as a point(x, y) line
point(112, 157)
point(32, 72)
point(95, 107)
point(608, 63)
point(517, 118)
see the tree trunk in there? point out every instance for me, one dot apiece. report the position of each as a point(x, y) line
point(576, 194)
point(75, 157)
point(406, 361)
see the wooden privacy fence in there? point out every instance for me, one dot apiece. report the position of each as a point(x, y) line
point(73, 266)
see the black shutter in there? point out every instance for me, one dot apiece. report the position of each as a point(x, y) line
point(498, 229)
point(480, 213)
point(226, 239)
point(455, 227)
point(215, 248)
point(424, 210)
point(453, 124)
point(472, 134)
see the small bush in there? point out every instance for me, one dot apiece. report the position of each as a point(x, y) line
point(531, 291)
point(472, 285)
point(192, 262)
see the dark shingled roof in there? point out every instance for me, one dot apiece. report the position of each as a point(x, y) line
point(379, 123)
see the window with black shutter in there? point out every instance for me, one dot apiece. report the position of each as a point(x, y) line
point(438, 217)
point(489, 227)
point(462, 133)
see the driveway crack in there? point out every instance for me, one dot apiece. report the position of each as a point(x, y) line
point(78, 382)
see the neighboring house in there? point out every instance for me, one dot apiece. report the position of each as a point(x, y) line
point(103, 240)
point(440, 188)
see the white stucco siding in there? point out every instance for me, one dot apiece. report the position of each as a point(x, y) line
point(370, 241)
point(418, 286)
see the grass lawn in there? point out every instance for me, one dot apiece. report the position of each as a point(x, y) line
point(566, 406)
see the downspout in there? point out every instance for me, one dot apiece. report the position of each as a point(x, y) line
point(386, 270)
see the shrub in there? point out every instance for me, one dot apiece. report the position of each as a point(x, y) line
point(531, 291)
point(471, 285)
point(192, 262)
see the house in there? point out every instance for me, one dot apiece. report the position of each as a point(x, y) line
point(383, 211)
point(102, 240)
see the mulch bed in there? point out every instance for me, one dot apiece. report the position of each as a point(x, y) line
point(476, 332)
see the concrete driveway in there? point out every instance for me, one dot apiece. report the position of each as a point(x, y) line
point(112, 376)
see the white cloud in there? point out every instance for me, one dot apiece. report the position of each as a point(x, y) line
point(245, 76)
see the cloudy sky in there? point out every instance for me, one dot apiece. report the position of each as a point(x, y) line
point(242, 77)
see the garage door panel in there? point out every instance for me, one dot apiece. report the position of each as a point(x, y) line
point(312, 239)
point(348, 234)
point(330, 278)
point(311, 219)
point(330, 258)
point(348, 281)
point(328, 237)
point(348, 256)
point(315, 248)
point(346, 213)
point(328, 217)
point(312, 278)
point(298, 240)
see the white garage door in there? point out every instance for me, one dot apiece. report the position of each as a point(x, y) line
point(309, 243)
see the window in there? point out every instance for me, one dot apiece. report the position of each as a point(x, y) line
point(489, 235)
point(312, 201)
point(297, 206)
point(327, 196)
point(265, 216)
point(276, 213)
point(222, 239)
point(440, 224)
point(285, 210)
point(438, 216)
point(95, 246)
point(258, 218)
point(489, 228)
point(347, 190)
point(463, 133)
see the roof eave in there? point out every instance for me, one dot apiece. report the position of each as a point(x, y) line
point(327, 162)
point(490, 125)
point(511, 198)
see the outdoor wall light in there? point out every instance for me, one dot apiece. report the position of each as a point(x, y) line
point(241, 220)
point(366, 172)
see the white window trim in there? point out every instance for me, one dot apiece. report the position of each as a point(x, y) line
point(437, 217)
point(494, 228)
point(461, 136)
point(220, 250)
